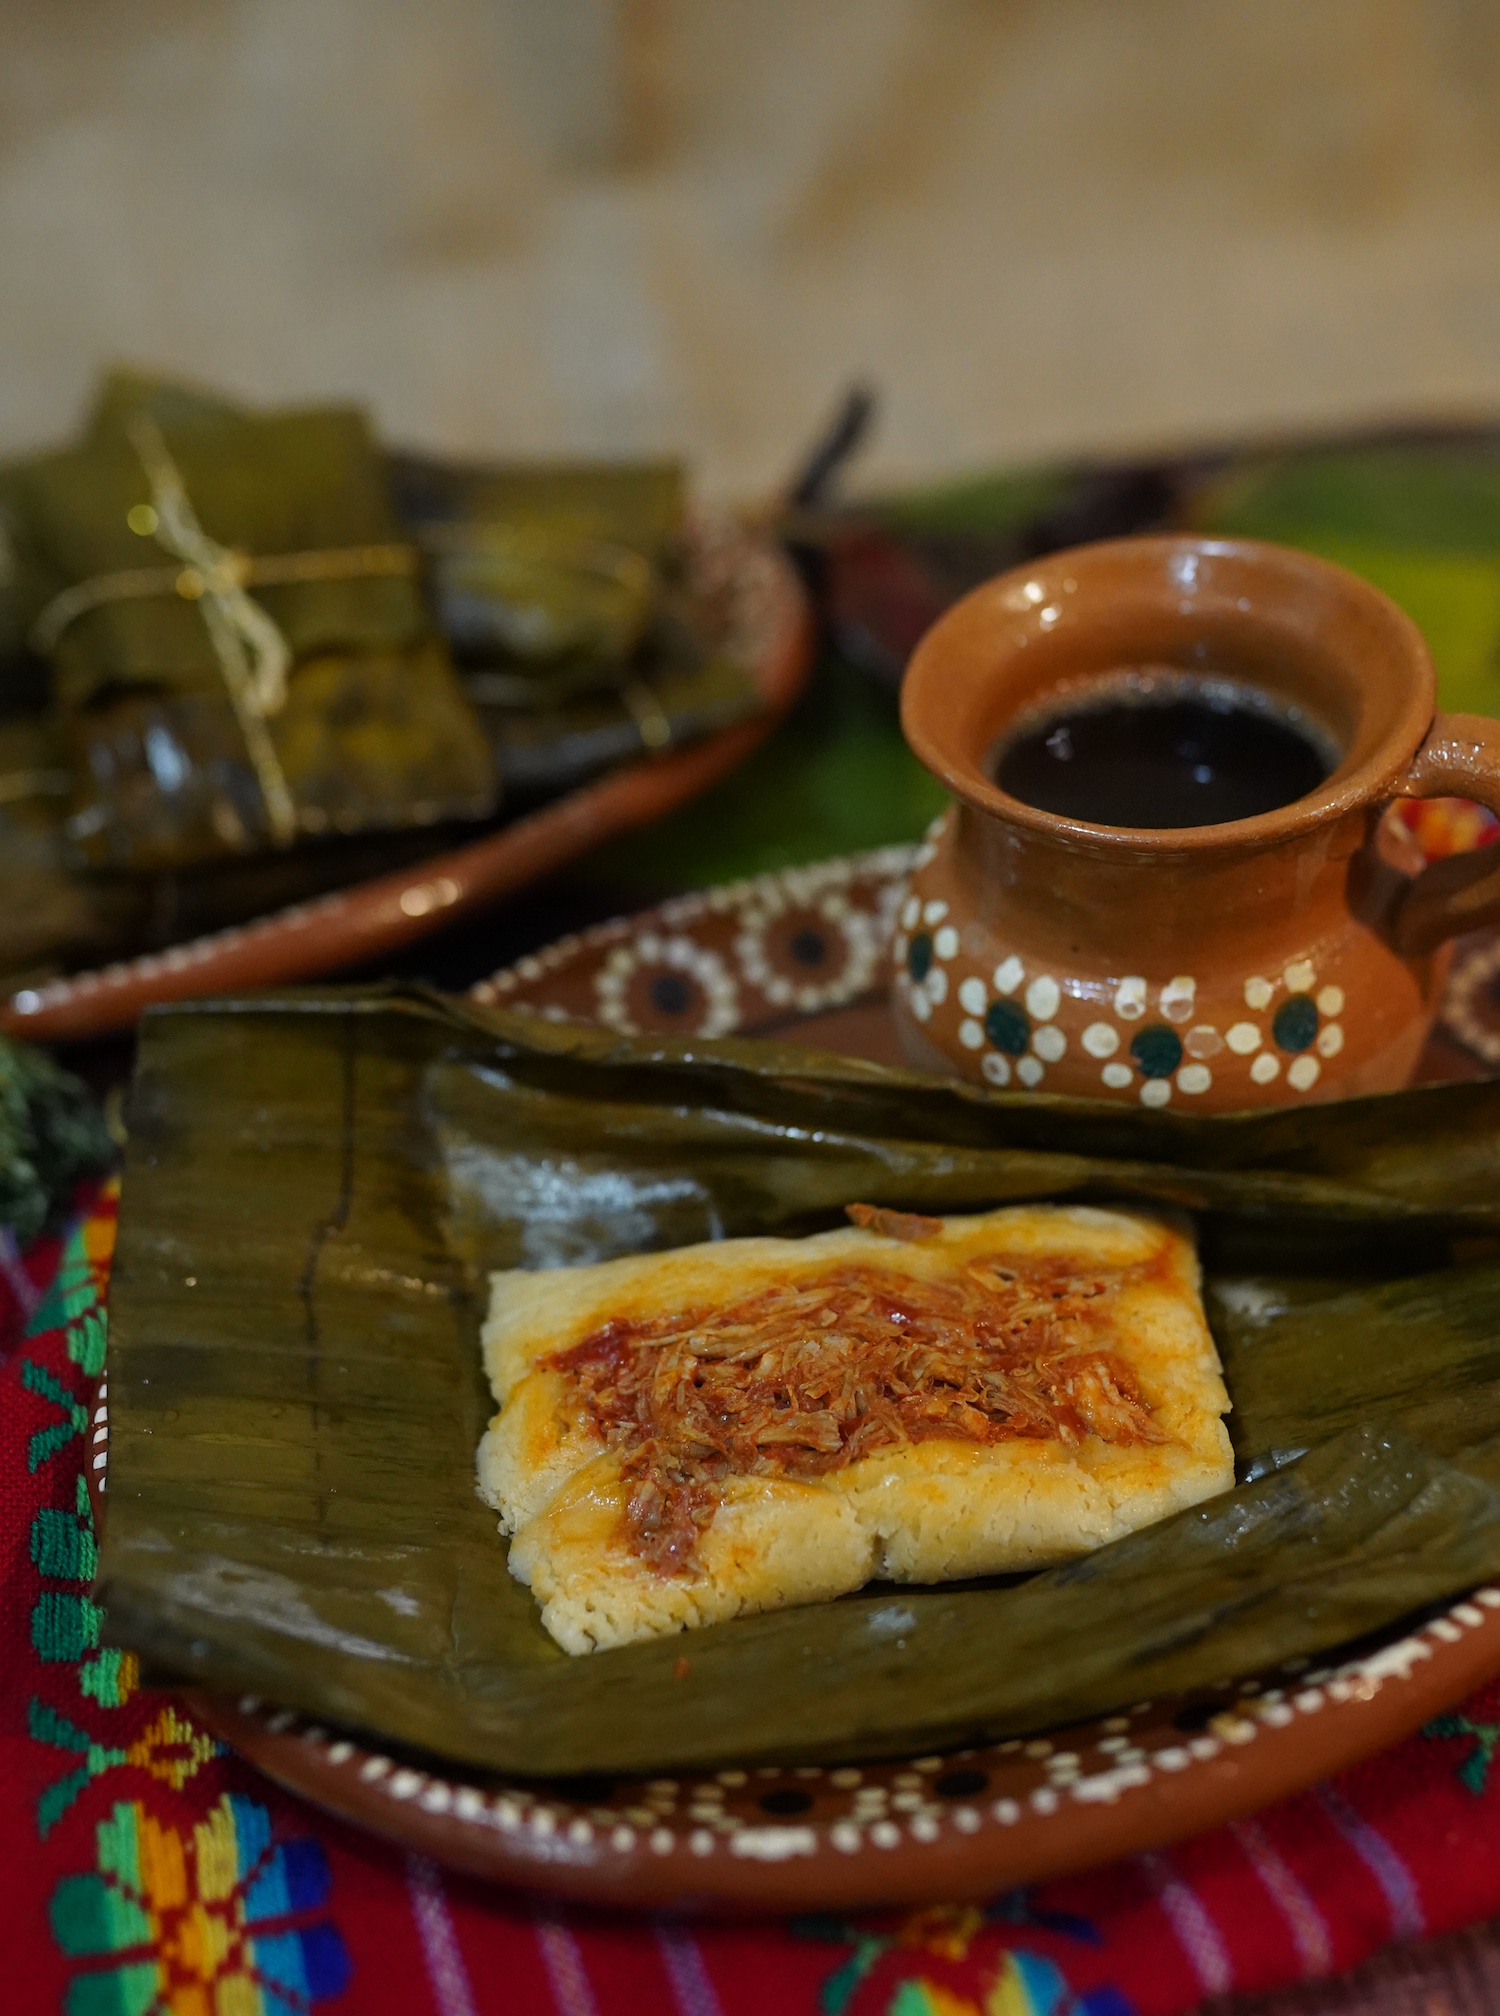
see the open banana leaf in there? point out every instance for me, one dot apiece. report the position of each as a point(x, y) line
point(316, 1186)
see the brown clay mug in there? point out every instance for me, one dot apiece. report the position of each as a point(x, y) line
point(1297, 954)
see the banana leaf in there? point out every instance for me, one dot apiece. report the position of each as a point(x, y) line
point(317, 1184)
point(57, 917)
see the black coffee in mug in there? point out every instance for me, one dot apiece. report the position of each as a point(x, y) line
point(1158, 747)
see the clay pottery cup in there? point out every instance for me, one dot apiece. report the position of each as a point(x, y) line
point(1298, 954)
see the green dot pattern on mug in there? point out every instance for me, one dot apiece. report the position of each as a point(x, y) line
point(1008, 1027)
point(919, 956)
point(1295, 1024)
point(1157, 1051)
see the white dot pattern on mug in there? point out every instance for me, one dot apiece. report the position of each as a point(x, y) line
point(1013, 1021)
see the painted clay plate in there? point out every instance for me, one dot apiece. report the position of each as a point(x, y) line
point(801, 952)
point(766, 625)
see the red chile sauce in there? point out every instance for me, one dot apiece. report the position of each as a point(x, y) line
point(812, 1373)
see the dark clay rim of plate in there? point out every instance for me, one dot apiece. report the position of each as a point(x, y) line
point(924, 1830)
point(770, 630)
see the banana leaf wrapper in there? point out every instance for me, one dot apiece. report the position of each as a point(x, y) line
point(639, 505)
point(681, 682)
point(317, 1185)
point(545, 575)
point(568, 601)
point(555, 612)
point(52, 915)
point(543, 750)
point(376, 732)
point(57, 916)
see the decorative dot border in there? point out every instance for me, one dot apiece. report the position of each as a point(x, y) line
point(854, 897)
point(1471, 1004)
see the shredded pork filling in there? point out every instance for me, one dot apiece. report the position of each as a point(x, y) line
point(811, 1374)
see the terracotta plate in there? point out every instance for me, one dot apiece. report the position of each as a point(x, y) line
point(767, 625)
point(801, 951)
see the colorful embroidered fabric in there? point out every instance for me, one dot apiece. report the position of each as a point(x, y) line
point(149, 1873)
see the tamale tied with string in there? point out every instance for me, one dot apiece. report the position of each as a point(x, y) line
point(242, 655)
point(142, 802)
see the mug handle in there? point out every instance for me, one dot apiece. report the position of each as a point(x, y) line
point(1460, 758)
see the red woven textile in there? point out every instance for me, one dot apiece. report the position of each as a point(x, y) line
point(147, 1871)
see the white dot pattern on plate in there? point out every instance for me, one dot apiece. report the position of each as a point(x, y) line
point(846, 1812)
point(1043, 998)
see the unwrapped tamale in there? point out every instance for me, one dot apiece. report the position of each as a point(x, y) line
point(749, 1424)
point(293, 687)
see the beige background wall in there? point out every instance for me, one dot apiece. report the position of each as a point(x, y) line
point(600, 225)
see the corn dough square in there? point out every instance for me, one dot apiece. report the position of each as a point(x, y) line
point(928, 1509)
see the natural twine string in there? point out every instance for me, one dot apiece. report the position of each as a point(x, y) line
point(254, 657)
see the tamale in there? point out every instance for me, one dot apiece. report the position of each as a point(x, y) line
point(636, 505)
point(317, 1185)
point(58, 916)
point(52, 916)
point(750, 1424)
point(373, 731)
point(577, 604)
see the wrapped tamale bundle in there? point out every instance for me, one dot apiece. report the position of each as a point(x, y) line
point(572, 605)
point(53, 916)
point(638, 506)
point(241, 652)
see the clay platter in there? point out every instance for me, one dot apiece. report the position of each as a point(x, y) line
point(802, 953)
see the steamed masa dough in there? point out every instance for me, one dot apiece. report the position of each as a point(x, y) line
point(925, 1511)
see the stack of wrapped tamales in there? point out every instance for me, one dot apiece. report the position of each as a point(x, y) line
point(247, 656)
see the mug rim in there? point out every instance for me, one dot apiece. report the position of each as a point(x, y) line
point(957, 673)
